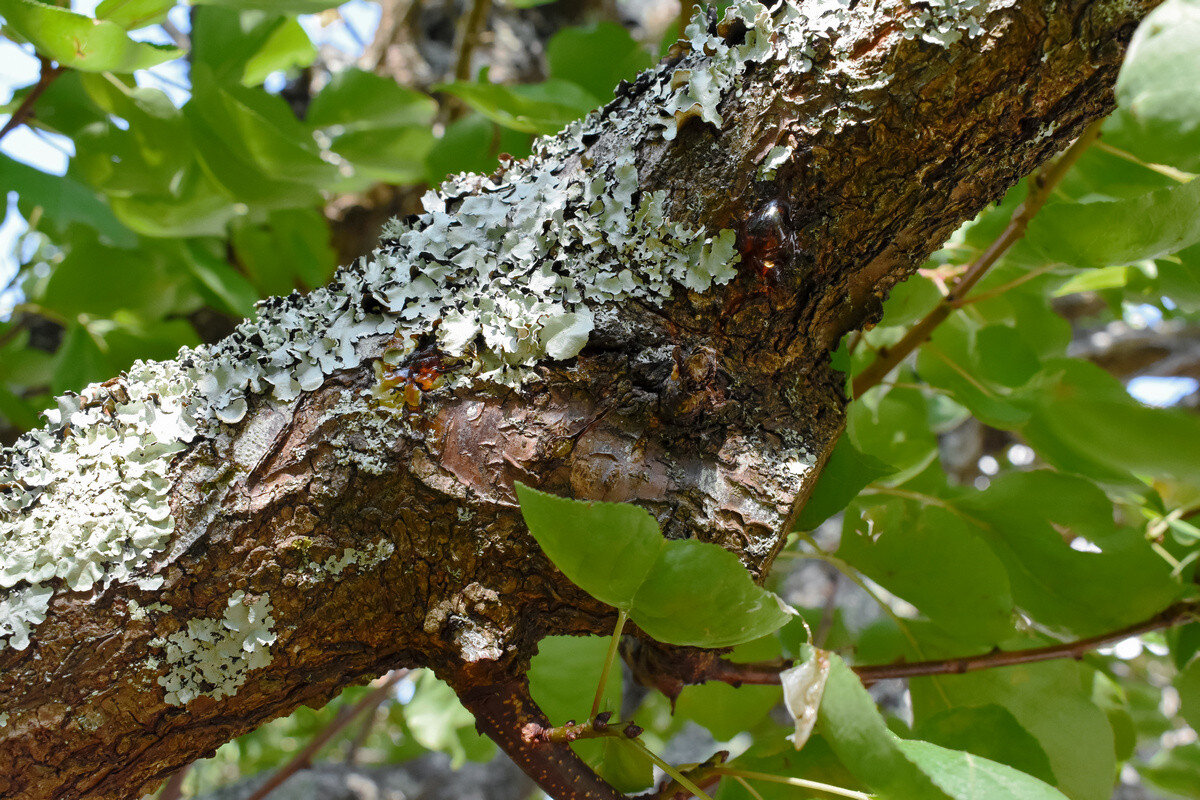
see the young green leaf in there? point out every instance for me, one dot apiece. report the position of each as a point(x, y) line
point(80, 42)
point(850, 722)
point(679, 592)
point(846, 473)
point(965, 776)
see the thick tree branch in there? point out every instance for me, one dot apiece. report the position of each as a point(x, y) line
point(202, 545)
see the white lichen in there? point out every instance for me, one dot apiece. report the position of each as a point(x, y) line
point(944, 22)
point(213, 656)
point(3, 718)
point(20, 612)
point(776, 157)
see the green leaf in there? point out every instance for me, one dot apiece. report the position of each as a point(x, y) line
point(937, 563)
point(965, 776)
point(287, 47)
point(851, 724)
point(894, 429)
point(290, 250)
point(1030, 519)
point(989, 731)
point(1175, 770)
point(1084, 421)
point(80, 42)
point(219, 283)
point(596, 58)
point(615, 553)
point(1119, 231)
point(355, 99)
point(1159, 110)
point(1003, 356)
point(251, 144)
point(133, 14)
point(1188, 685)
point(63, 200)
point(466, 146)
point(1050, 702)
point(846, 473)
point(278, 6)
point(533, 108)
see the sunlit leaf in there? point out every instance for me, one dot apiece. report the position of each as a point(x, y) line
point(80, 42)
point(615, 552)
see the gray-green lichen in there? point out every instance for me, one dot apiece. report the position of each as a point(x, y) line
point(944, 22)
point(364, 559)
point(20, 612)
point(213, 656)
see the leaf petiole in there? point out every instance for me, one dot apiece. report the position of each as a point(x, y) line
point(608, 661)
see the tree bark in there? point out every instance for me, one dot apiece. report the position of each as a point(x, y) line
point(374, 538)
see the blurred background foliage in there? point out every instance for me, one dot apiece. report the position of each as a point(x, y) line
point(1031, 475)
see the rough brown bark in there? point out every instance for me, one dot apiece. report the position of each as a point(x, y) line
point(693, 410)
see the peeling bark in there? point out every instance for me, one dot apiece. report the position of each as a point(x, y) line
point(714, 411)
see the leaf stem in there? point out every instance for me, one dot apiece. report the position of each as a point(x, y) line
point(802, 783)
point(613, 644)
point(1041, 187)
point(671, 771)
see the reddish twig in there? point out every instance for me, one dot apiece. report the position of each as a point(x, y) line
point(1174, 615)
point(670, 670)
point(303, 759)
point(504, 711)
point(24, 111)
point(1040, 189)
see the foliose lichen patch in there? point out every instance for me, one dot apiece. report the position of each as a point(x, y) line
point(85, 498)
point(213, 656)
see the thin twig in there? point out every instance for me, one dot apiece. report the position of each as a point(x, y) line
point(467, 37)
point(46, 76)
point(1041, 186)
point(383, 686)
point(600, 726)
point(767, 673)
point(1177, 614)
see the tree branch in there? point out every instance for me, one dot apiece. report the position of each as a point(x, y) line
point(327, 494)
point(669, 669)
point(23, 112)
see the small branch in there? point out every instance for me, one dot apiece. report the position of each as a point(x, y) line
point(686, 666)
point(505, 711)
point(467, 37)
point(24, 111)
point(1177, 614)
point(1041, 187)
point(303, 759)
point(598, 727)
point(364, 730)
